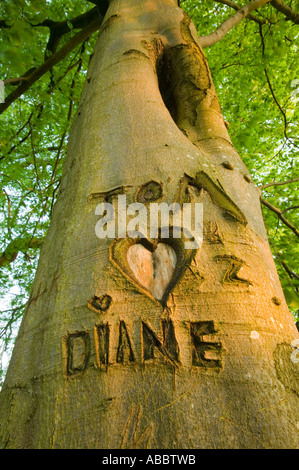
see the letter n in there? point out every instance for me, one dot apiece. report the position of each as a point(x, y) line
point(125, 352)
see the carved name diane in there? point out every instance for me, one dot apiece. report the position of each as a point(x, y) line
point(157, 347)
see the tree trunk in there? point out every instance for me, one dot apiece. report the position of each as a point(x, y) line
point(107, 357)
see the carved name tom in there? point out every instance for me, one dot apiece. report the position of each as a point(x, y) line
point(78, 347)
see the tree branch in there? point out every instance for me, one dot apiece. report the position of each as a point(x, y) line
point(289, 271)
point(101, 4)
point(3, 24)
point(9, 202)
point(280, 216)
point(278, 183)
point(13, 318)
point(286, 10)
point(75, 41)
point(230, 23)
point(60, 28)
point(14, 80)
point(34, 157)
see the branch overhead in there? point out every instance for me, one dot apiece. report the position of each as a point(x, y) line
point(280, 216)
point(101, 4)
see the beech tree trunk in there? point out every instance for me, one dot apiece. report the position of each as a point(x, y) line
point(101, 359)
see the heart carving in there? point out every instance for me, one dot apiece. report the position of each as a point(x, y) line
point(153, 267)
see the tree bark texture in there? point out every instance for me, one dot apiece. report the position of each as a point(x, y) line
point(101, 361)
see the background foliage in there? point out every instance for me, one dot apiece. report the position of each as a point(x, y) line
point(257, 78)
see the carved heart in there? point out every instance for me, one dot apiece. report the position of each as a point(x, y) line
point(153, 267)
point(153, 270)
